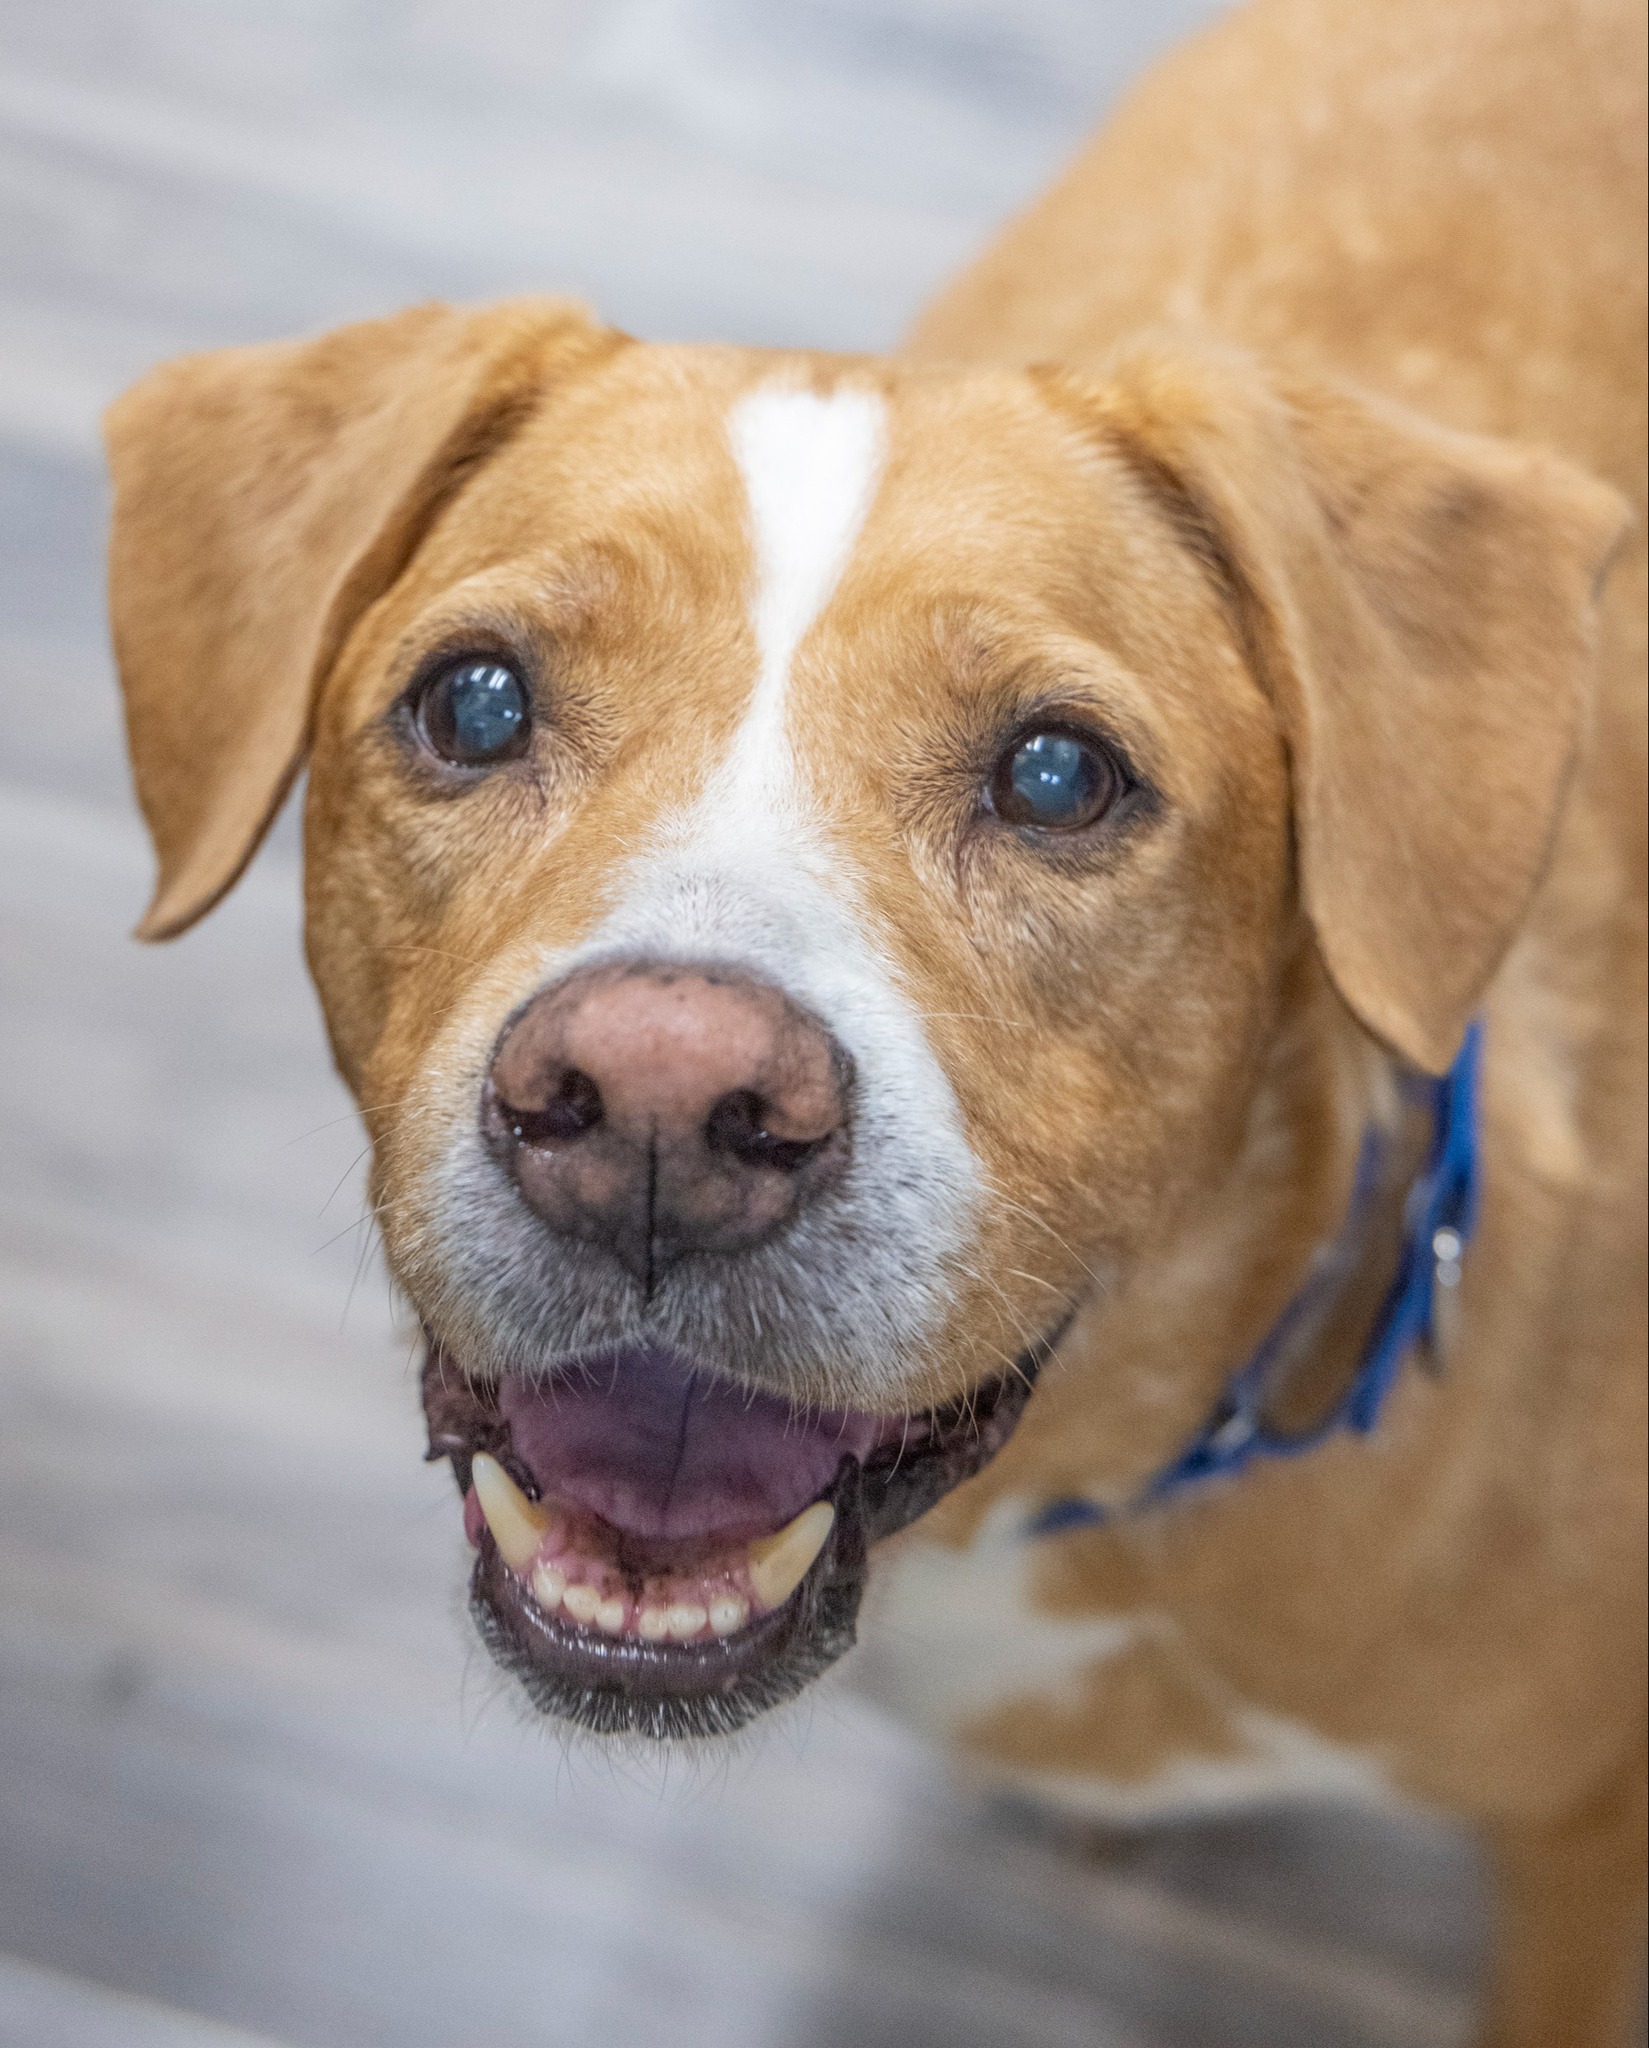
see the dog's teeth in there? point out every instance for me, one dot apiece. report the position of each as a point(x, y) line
point(779, 1563)
point(728, 1613)
point(685, 1618)
point(653, 1624)
point(548, 1585)
point(583, 1603)
point(518, 1525)
point(610, 1616)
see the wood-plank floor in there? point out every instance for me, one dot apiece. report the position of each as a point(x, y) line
point(254, 1783)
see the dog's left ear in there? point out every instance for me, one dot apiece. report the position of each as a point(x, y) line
point(1419, 606)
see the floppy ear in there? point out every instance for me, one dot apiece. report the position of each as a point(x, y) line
point(1419, 605)
point(263, 497)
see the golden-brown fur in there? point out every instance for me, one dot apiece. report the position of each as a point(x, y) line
point(1241, 513)
point(1445, 205)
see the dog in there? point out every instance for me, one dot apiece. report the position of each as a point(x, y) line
point(1005, 985)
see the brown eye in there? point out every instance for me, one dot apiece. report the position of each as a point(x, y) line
point(475, 713)
point(1055, 782)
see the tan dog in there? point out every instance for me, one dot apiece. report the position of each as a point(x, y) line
point(844, 887)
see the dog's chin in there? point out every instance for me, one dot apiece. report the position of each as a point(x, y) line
point(662, 1553)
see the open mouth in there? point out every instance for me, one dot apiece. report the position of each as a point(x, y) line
point(662, 1553)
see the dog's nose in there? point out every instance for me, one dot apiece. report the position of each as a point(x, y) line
point(660, 1110)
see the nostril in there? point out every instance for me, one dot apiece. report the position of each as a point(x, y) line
point(574, 1109)
point(738, 1124)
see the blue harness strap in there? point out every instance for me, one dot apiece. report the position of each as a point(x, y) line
point(1439, 1216)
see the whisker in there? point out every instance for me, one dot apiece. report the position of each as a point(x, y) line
point(435, 953)
point(1064, 1244)
point(361, 1258)
point(361, 1222)
point(349, 1116)
point(975, 1017)
point(348, 1170)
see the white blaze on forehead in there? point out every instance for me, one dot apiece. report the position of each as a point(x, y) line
point(810, 465)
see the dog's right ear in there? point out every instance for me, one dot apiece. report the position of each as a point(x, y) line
point(263, 498)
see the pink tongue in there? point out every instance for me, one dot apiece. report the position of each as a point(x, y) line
point(635, 1438)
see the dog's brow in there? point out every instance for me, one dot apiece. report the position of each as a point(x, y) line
point(810, 465)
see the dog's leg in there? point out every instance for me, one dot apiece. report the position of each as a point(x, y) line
point(1569, 1968)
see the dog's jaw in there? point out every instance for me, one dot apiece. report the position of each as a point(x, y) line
point(642, 1562)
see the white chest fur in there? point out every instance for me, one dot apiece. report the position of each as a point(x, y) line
point(951, 1638)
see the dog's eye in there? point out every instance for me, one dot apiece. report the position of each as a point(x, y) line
point(475, 713)
point(1056, 781)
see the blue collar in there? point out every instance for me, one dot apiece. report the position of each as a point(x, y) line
point(1438, 1218)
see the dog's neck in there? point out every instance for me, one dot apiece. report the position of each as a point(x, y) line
point(1317, 1346)
point(1287, 1265)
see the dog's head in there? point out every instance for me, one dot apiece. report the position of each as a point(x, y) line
point(807, 863)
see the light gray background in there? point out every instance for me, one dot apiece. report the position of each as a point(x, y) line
point(251, 1774)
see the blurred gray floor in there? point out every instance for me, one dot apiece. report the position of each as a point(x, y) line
point(254, 1785)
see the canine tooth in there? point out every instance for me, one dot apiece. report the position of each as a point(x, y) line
point(583, 1603)
point(518, 1525)
point(685, 1618)
point(653, 1624)
point(548, 1585)
point(779, 1563)
point(610, 1616)
point(728, 1612)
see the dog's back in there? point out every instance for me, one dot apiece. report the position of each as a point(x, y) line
point(1444, 203)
